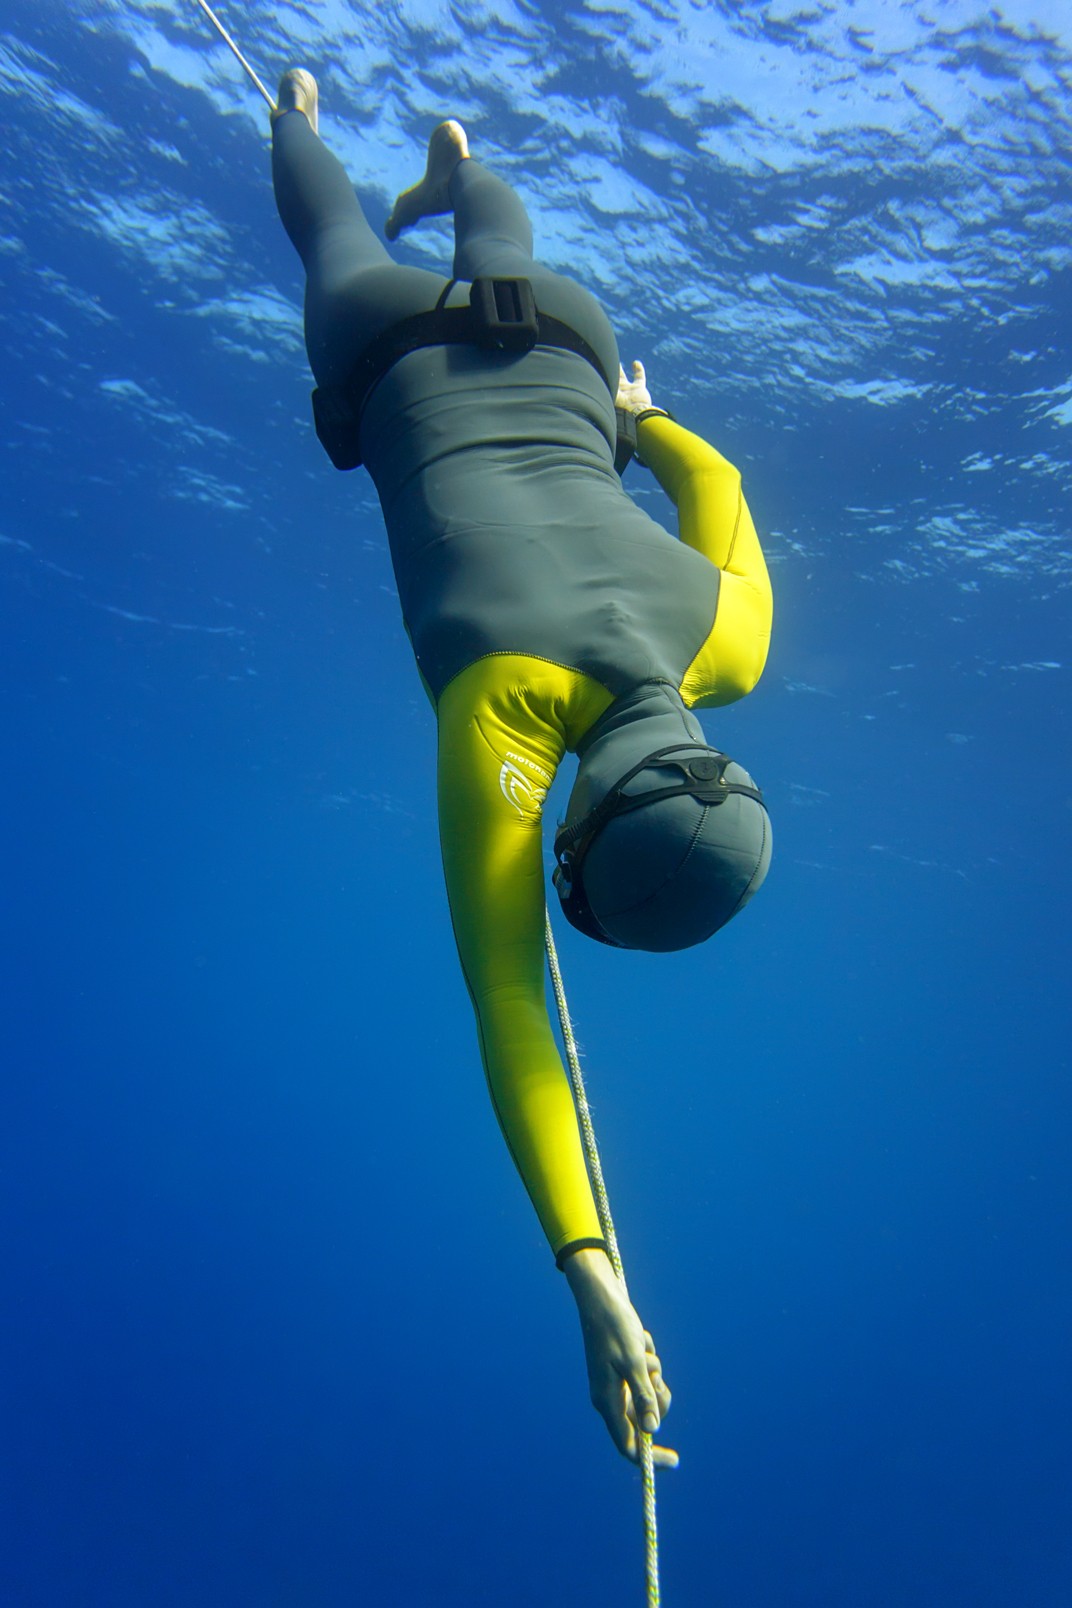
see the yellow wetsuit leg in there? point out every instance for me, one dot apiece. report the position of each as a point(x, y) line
point(504, 724)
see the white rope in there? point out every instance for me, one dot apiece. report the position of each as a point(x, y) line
point(606, 1223)
point(225, 36)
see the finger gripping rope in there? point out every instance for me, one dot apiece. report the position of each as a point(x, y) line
point(606, 1223)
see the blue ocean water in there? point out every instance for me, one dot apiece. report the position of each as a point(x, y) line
point(280, 1329)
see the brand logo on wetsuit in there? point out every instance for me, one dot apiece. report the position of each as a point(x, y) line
point(523, 792)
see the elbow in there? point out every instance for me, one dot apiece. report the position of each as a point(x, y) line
point(743, 676)
point(753, 619)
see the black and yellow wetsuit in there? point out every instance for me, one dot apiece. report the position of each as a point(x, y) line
point(534, 590)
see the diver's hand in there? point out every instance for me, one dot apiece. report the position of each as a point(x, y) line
point(633, 394)
point(624, 1374)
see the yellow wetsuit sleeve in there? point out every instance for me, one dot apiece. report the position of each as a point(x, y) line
point(503, 727)
point(714, 519)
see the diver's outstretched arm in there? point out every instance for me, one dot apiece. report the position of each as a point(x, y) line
point(497, 756)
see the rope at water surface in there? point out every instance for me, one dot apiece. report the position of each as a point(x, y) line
point(606, 1223)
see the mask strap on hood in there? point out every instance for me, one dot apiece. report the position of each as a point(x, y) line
point(703, 777)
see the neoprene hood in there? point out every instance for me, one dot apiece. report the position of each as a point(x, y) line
point(665, 837)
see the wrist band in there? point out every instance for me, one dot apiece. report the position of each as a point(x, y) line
point(578, 1245)
point(649, 413)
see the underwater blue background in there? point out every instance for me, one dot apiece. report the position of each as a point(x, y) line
point(280, 1328)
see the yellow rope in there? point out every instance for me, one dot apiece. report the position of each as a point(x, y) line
point(606, 1223)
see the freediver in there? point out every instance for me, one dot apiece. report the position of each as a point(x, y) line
point(547, 613)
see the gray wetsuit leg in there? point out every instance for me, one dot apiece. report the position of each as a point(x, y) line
point(354, 290)
point(493, 237)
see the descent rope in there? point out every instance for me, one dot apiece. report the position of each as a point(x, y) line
point(606, 1223)
point(225, 36)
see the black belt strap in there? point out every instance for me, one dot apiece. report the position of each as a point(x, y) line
point(502, 316)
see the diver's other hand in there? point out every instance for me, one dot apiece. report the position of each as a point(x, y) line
point(633, 394)
point(624, 1375)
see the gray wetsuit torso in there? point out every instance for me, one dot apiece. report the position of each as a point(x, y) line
point(510, 531)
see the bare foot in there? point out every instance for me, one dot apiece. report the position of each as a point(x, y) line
point(298, 93)
point(447, 147)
